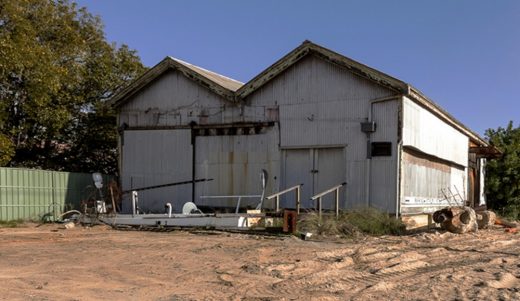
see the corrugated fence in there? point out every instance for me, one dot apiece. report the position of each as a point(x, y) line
point(35, 194)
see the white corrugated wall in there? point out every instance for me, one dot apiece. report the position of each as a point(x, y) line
point(429, 134)
point(173, 100)
point(322, 105)
point(443, 153)
point(155, 157)
point(235, 163)
point(383, 169)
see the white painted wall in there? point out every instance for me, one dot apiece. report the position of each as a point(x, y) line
point(421, 186)
point(429, 134)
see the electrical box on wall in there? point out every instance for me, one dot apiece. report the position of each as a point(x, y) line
point(368, 127)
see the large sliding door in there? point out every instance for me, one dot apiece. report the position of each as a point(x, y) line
point(317, 169)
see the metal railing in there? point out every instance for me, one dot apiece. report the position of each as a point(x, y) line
point(277, 195)
point(320, 195)
point(238, 197)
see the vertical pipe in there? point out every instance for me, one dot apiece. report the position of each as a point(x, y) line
point(193, 160)
point(368, 167)
point(53, 196)
point(238, 204)
point(134, 203)
point(277, 203)
point(298, 199)
point(337, 202)
point(398, 178)
point(169, 210)
point(319, 207)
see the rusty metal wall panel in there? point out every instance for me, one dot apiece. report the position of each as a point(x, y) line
point(322, 104)
point(444, 141)
point(423, 182)
point(154, 158)
point(235, 163)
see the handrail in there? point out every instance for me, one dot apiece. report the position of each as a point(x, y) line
point(320, 195)
point(238, 197)
point(278, 194)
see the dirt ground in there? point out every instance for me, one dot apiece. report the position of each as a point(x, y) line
point(98, 263)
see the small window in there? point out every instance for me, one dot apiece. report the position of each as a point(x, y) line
point(381, 149)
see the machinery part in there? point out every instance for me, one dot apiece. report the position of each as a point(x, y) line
point(135, 202)
point(190, 208)
point(457, 219)
point(441, 216)
point(101, 207)
point(167, 185)
point(168, 208)
point(485, 219)
point(71, 214)
point(263, 177)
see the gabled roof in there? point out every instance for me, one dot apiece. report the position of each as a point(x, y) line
point(234, 91)
point(219, 84)
point(309, 48)
point(306, 48)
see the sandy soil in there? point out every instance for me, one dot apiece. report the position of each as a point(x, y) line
point(98, 263)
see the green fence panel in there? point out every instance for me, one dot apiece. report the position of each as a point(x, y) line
point(32, 193)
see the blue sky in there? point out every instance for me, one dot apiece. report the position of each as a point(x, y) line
point(464, 54)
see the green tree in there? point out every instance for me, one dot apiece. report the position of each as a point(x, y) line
point(503, 174)
point(56, 73)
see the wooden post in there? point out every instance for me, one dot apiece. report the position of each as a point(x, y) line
point(113, 201)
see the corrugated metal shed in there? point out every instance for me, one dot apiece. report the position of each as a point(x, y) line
point(301, 120)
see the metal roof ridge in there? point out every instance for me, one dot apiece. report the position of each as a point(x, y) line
point(204, 69)
point(308, 47)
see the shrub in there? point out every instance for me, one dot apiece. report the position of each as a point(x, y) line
point(374, 222)
point(352, 223)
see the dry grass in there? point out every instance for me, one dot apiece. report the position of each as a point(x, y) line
point(353, 223)
point(11, 223)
